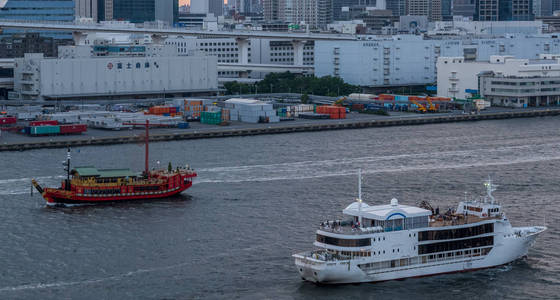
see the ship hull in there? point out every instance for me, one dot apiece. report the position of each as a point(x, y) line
point(56, 196)
point(508, 250)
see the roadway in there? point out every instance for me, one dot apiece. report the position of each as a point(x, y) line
point(166, 31)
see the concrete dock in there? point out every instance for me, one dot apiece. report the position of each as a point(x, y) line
point(257, 129)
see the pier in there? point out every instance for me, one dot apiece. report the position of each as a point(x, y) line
point(278, 129)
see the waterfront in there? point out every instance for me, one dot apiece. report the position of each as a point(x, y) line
point(259, 199)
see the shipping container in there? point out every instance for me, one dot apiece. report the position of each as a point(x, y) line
point(8, 120)
point(73, 129)
point(183, 125)
point(45, 130)
point(41, 123)
point(213, 118)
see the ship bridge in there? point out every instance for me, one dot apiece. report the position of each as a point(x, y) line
point(390, 217)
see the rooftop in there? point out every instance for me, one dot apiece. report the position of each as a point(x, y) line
point(386, 212)
point(89, 171)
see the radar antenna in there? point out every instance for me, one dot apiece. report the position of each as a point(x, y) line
point(490, 187)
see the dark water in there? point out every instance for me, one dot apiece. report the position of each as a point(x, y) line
point(258, 200)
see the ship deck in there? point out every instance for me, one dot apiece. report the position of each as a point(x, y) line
point(456, 220)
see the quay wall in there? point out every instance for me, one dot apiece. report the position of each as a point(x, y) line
point(225, 132)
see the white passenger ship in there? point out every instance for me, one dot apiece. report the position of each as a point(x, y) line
point(395, 241)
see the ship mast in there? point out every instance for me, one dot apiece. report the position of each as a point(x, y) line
point(147, 142)
point(360, 197)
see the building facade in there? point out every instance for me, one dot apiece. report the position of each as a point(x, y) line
point(140, 11)
point(338, 6)
point(87, 9)
point(429, 8)
point(520, 91)
point(315, 13)
point(29, 10)
point(215, 7)
point(17, 45)
point(465, 8)
point(504, 10)
point(411, 60)
point(146, 73)
point(459, 78)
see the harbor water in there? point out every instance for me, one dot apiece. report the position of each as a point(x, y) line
point(259, 199)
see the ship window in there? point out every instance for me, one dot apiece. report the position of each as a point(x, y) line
point(455, 233)
point(343, 242)
point(456, 245)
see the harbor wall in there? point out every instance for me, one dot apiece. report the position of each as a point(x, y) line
point(319, 126)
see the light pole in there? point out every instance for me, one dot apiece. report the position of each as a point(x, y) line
point(271, 88)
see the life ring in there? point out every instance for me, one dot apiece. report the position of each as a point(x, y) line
point(484, 215)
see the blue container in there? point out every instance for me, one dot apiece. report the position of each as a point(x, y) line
point(183, 125)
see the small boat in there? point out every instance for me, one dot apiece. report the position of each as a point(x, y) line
point(396, 241)
point(86, 185)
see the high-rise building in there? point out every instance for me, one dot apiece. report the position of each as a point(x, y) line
point(429, 8)
point(339, 5)
point(138, 11)
point(504, 10)
point(542, 8)
point(29, 10)
point(278, 10)
point(465, 8)
point(215, 7)
point(105, 10)
point(398, 7)
point(86, 9)
point(315, 13)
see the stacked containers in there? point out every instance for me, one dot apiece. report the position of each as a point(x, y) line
point(335, 112)
point(192, 108)
point(163, 110)
point(213, 118)
point(251, 111)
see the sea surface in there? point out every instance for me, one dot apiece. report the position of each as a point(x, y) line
point(259, 199)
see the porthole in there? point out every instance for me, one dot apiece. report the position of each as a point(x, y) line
point(383, 251)
point(383, 238)
point(393, 250)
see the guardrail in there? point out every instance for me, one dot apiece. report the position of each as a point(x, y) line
point(278, 129)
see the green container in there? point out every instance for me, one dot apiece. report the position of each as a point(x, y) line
point(46, 129)
point(212, 118)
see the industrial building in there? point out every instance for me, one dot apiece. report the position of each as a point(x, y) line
point(411, 60)
point(82, 72)
point(502, 80)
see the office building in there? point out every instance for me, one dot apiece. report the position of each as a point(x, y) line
point(278, 11)
point(464, 8)
point(315, 13)
point(397, 7)
point(429, 8)
point(140, 11)
point(542, 8)
point(86, 9)
point(504, 10)
point(339, 7)
point(215, 7)
point(29, 10)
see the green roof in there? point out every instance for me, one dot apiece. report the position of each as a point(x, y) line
point(104, 173)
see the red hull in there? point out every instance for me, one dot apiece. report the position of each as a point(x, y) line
point(57, 196)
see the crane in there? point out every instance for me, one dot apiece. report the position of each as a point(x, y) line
point(431, 107)
point(421, 107)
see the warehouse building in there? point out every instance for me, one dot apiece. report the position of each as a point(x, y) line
point(135, 71)
point(411, 60)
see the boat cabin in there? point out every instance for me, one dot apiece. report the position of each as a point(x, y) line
point(101, 176)
point(391, 217)
point(479, 209)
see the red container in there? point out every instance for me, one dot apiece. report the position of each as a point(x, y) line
point(8, 120)
point(73, 129)
point(41, 123)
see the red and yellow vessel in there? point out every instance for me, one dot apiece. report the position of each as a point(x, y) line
point(90, 185)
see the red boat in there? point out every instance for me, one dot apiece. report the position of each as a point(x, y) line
point(90, 185)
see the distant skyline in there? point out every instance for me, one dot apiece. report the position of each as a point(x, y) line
point(183, 2)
